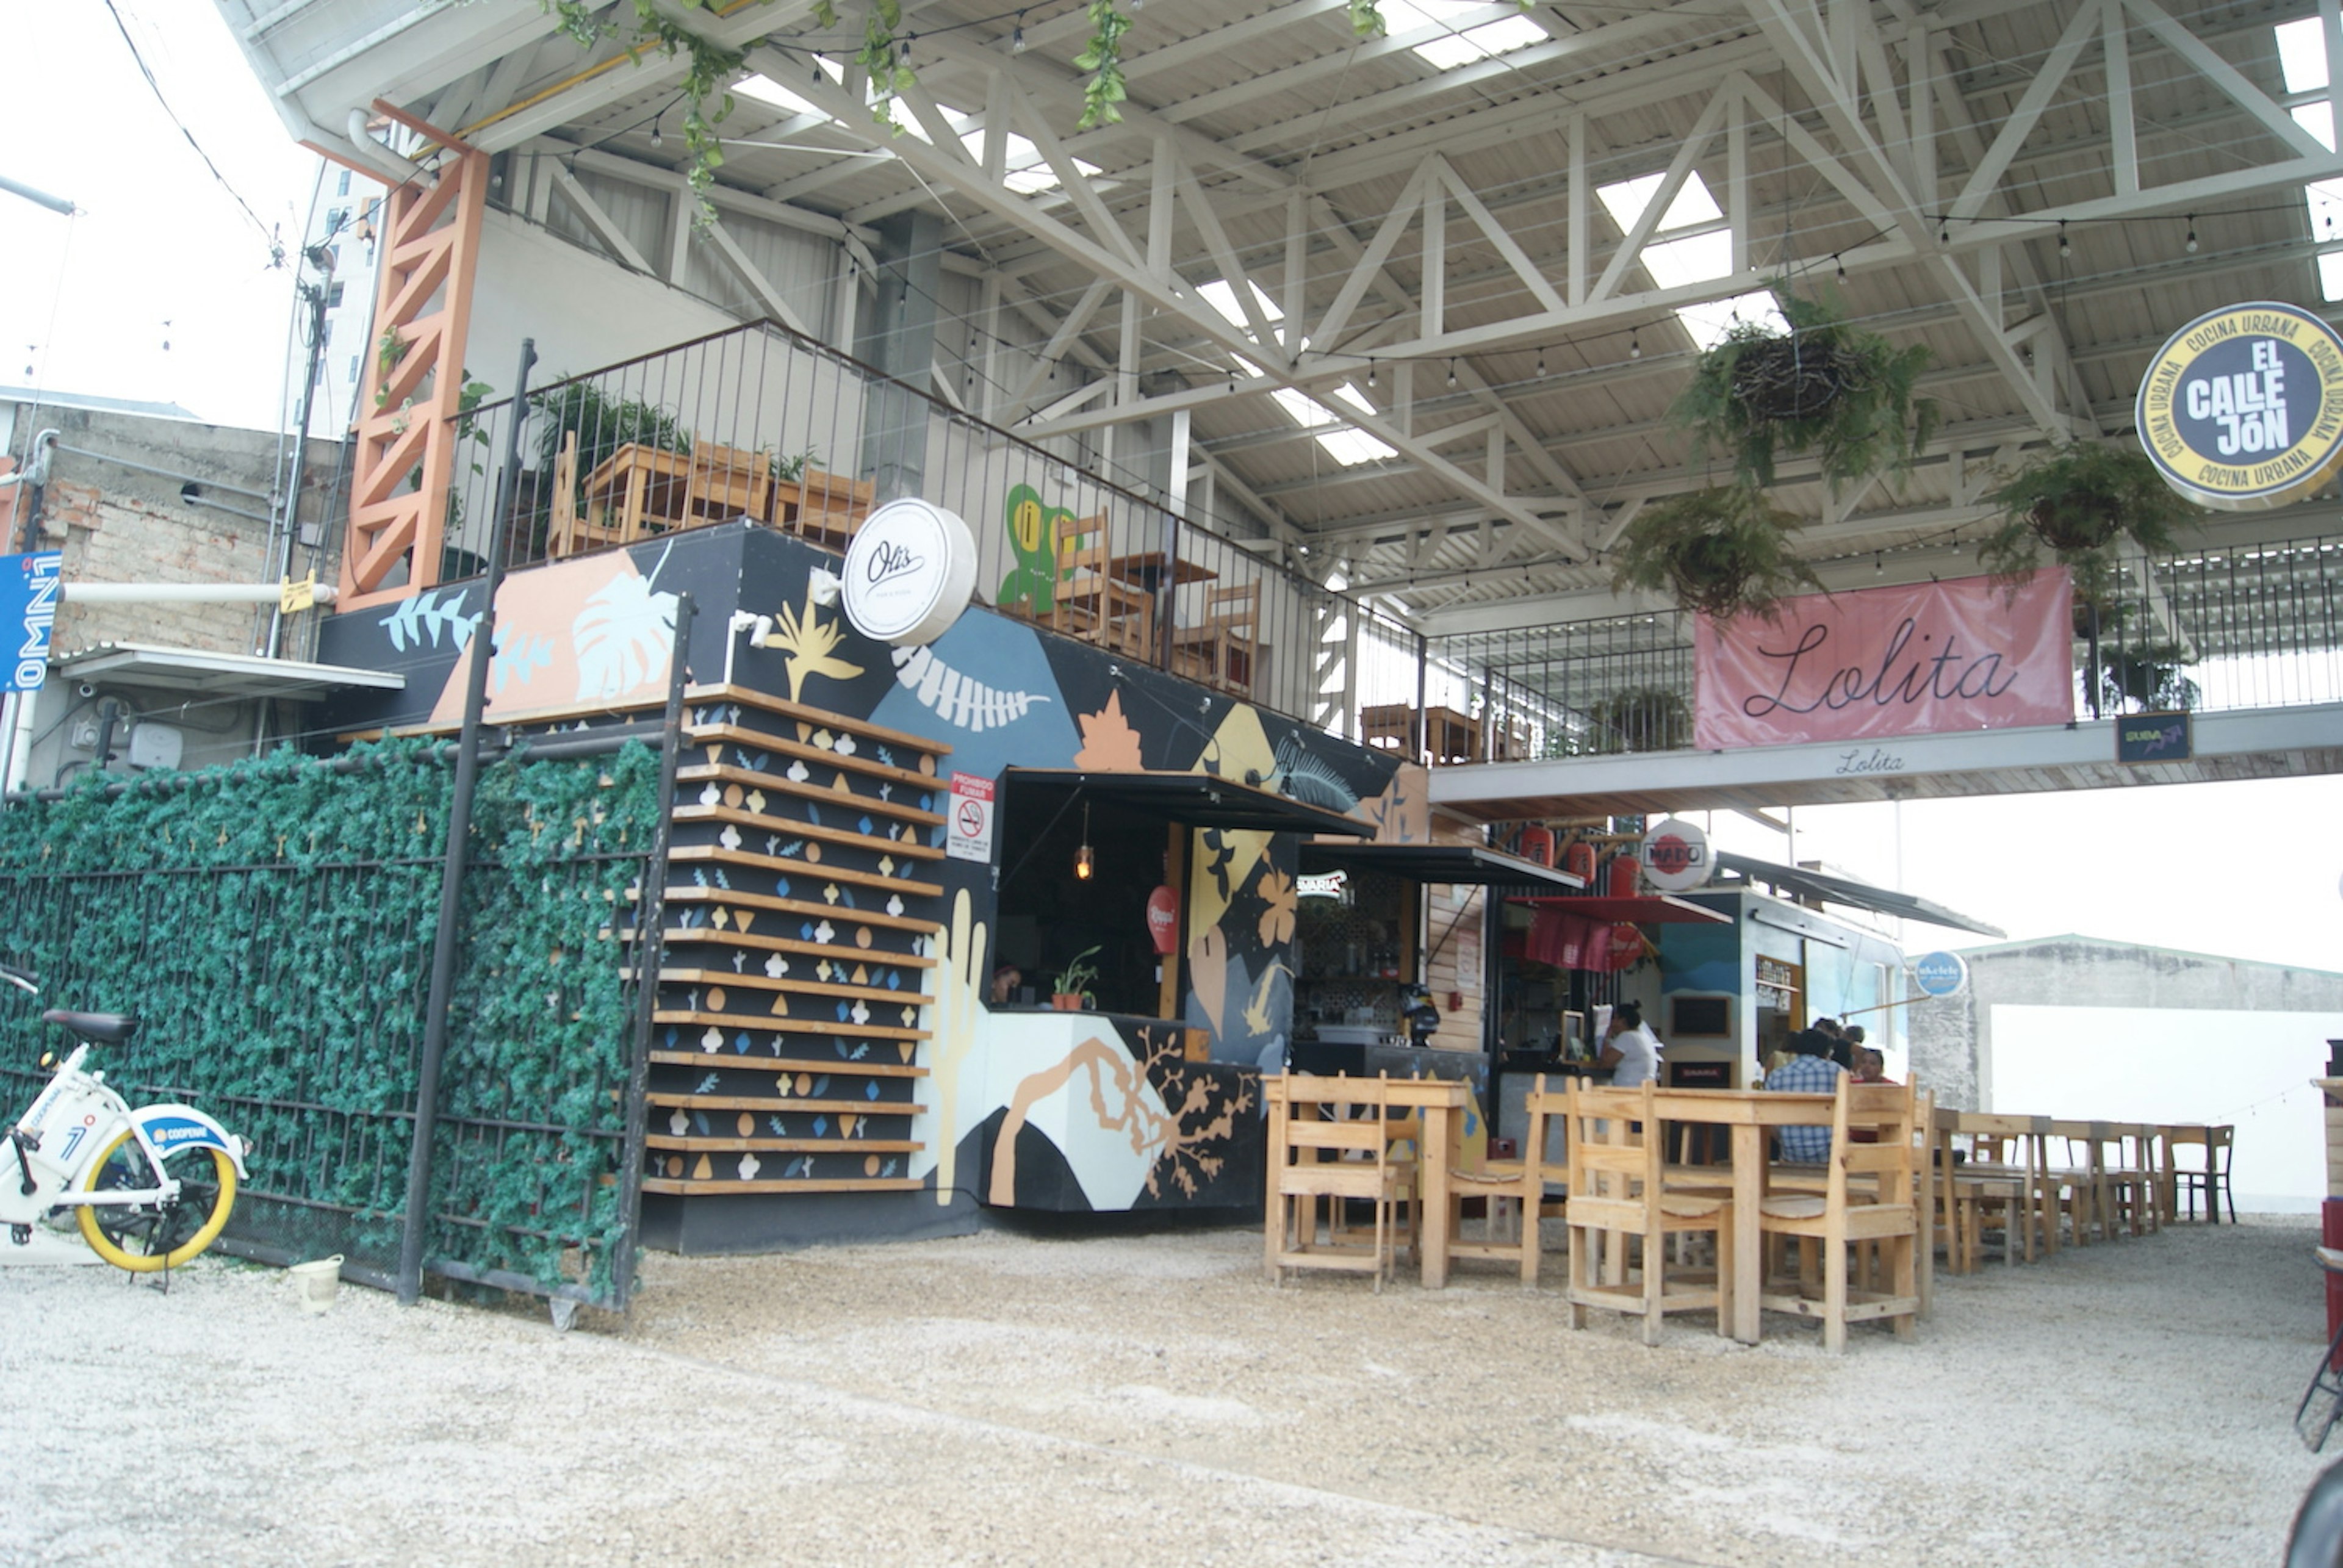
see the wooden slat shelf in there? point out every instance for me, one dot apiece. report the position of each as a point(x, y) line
point(815, 871)
point(784, 1145)
point(714, 1059)
point(766, 702)
point(790, 986)
point(749, 1102)
point(781, 1024)
point(709, 936)
point(798, 828)
point(810, 907)
point(686, 1186)
point(705, 735)
point(782, 784)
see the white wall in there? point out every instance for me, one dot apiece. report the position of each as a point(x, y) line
point(2250, 1070)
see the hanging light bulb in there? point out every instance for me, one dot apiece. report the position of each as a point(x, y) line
point(1878, 564)
point(1017, 35)
point(1084, 863)
point(1371, 373)
point(1541, 368)
point(2192, 234)
point(1634, 346)
point(1842, 269)
point(2063, 249)
point(1452, 374)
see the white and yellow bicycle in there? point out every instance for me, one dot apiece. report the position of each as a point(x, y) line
point(150, 1187)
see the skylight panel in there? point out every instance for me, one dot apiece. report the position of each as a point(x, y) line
point(765, 90)
point(2324, 198)
point(1626, 200)
point(1345, 446)
point(1674, 263)
point(1470, 35)
point(1024, 170)
point(2318, 119)
point(1222, 297)
point(1709, 323)
point(2330, 275)
point(2301, 56)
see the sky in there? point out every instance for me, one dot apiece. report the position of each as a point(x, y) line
point(161, 252)
point(164, 253)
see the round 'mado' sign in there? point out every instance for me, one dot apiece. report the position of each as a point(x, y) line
point(2243, 408)
point(1940, 974)
point(1675, 856)
point(910, 572)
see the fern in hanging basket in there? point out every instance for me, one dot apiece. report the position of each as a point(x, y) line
point(1722, 551)
point(2078, 502)
point(1826, 387)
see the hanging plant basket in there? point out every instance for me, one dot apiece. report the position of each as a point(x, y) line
point(1825, 387)
point(2148, 677)
point(2077, 503)
point(1722, 551)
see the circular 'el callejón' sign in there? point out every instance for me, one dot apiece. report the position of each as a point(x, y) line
point(2243, 408)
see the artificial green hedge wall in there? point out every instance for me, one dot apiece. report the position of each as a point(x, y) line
point(272, 923)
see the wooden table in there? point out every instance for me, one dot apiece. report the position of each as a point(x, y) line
point(642, 483)
point(1751, 1113)
point(1144, 569)
point(1448, 736)
point(1440, 1104)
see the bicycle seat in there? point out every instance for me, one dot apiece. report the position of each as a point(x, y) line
point(112, 1027)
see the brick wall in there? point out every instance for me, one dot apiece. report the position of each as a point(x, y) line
point(117, 538)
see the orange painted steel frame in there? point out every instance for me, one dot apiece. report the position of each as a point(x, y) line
point(430, 251)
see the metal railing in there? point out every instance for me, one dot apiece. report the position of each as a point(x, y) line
point(759, 422)
point(2213, 630)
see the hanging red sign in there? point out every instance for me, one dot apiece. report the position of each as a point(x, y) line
point(1164, 919)
point(1869, 664)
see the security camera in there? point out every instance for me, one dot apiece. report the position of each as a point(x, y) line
point(86, 688)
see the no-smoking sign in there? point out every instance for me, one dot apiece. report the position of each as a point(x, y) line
point(969, 836)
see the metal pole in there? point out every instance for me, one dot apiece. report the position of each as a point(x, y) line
point(451, 878)
point(286, 530)
point(650, 947)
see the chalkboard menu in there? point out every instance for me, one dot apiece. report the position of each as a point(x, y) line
point(1700, 1017)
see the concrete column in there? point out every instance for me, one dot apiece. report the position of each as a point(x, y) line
point(900, 339)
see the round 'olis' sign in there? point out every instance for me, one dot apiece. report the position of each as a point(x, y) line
point(909, 571)
point(2243, 408)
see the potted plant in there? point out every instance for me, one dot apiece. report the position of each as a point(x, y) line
point(1721, 552)
point(1071, 991)
point(2147, 676)
point(2077, 501)
point(1640, 718)
point(1825, 387)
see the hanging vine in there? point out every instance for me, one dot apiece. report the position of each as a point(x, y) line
point(890, 71)
point(1103, 61)
point(708, 70)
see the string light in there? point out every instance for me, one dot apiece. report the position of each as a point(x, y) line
point(1371, 373)
point(2192, 234)
point(656, 140)
point(1842, 269)
point(2065, 249)
point(1943, 232)
point(1634, 346)
point(1878, 564)
point(1083, 862)
point(1452, 375)
point(1017, 35)
point(1541, 368)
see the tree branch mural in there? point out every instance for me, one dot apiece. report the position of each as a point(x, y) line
point(1188, 1115)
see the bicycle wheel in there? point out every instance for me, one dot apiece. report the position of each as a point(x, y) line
point(144, 1237)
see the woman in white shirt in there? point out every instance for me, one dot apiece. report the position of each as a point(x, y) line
point(1629, 1051)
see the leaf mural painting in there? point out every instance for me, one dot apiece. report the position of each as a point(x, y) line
point(1109, 742)
point(585, 629)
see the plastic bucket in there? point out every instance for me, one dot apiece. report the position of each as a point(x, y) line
point(315, 1284)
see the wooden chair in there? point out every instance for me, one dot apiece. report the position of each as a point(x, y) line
point(1222, 649)
point(1829, 1223)
point(726, 482)
point(823, 508)
point(1514, 1192)
point(2001, 1186)
point(566, 535)
point(1340, 1158)
point(2206, 1174)
point(1619, 1197)
point(2077, 1182)
point(1089, 601)
point(2134, 1186)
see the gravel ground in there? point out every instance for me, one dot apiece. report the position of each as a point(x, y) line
point(1011, 1397)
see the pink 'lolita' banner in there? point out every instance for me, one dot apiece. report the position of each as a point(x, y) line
point(1873, 663)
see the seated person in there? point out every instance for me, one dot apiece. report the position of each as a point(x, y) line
point(1870, 1066)
point(1005, 981)
point(1809, 1070)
